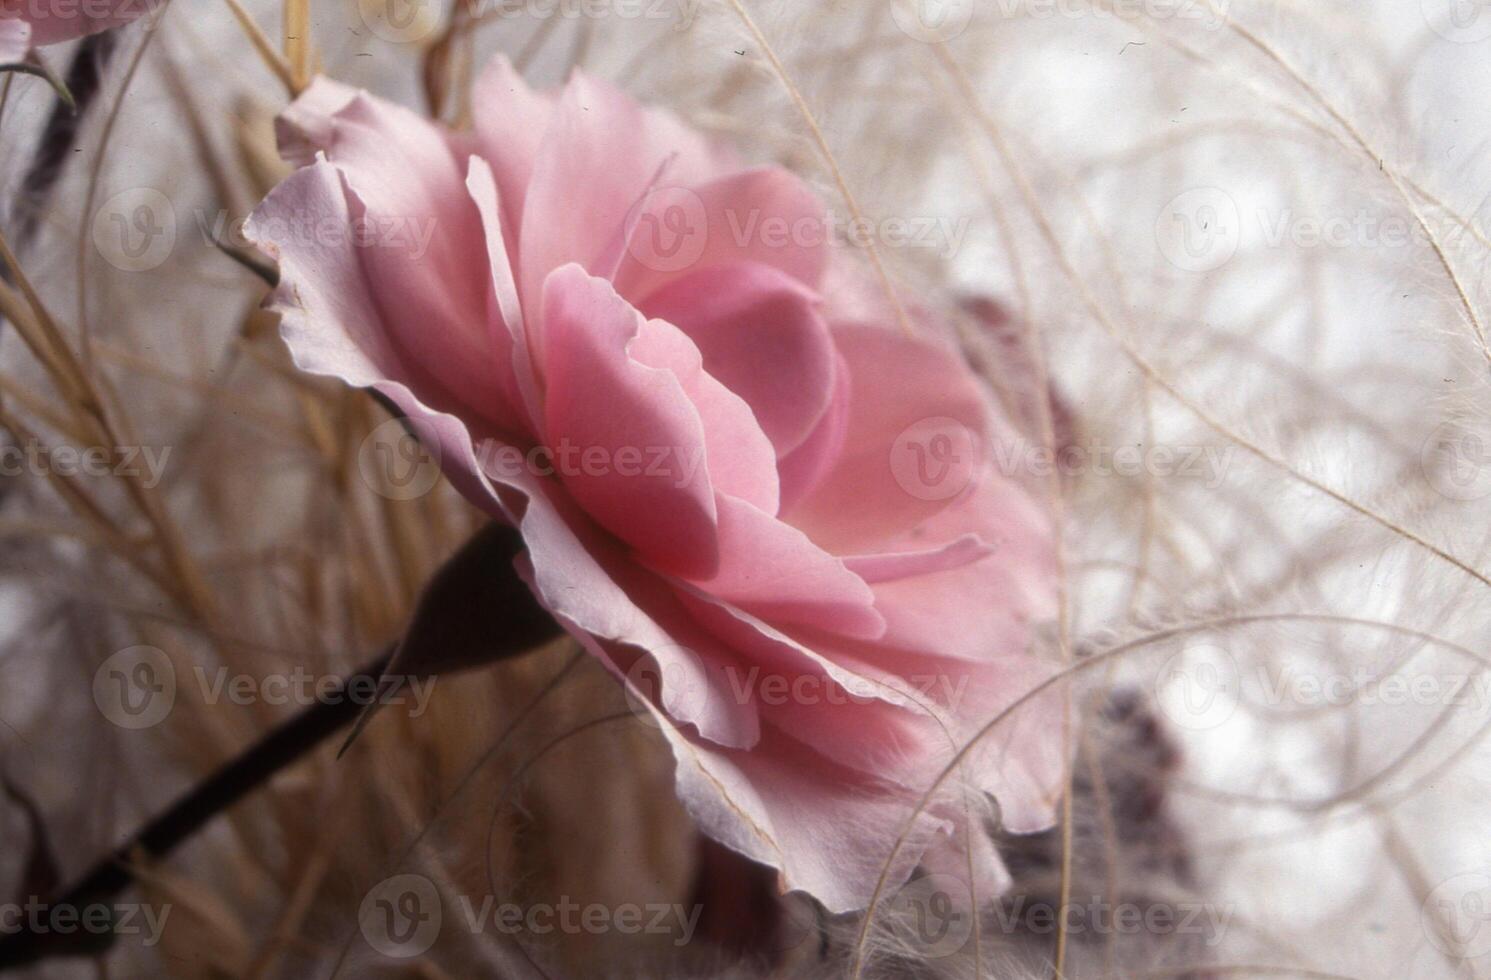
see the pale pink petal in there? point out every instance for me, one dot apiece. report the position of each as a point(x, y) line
point(856, 714)
point(773, 571)
point(893, 565)
point(55, 22)
point(765, 216)
point(507, 332)
point(993, 600)
point(622, 612)
point(422, 246)
point(307, 126)
point(601, 400)
point(1022, 760)
point(333, 327)
point(828, 829)
point(761, 335)
point(599, 155)
point(15, 40)
point(909, 712)
point(737, 453)
point(809, 464)
point(510, 120)
point(452, 368)
point(897, 385)
point(327, 316)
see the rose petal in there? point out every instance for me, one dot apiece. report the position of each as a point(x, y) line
point(737, 453)
point(15, 40)
point(599, 155)
point(53, 23)
point(765, 216)
point(772, 570)
point(801, 470)
point(994, 590)
point(601, 400)
point(828, 829)
point(621, 612)
point(857, 715)
point(508, 334)
point(307, 126)
point(333, 327)
point(890, 566)
point(510, 120)
point(897, 383)
point(761, 335)
point(422, 244)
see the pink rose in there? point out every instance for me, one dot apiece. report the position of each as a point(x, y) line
point(731, 469)
point(32, 23)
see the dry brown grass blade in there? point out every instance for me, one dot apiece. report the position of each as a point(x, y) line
point(1102, 658)
point(104, 526)
point(51, 347)
point(1372, 154)
point(41, 409)
point(265, 48)
point(85, 332)
point(1150, 371)
point(297, 24)
point(39, 332)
